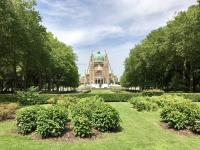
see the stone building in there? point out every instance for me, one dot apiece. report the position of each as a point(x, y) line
point(99, 71)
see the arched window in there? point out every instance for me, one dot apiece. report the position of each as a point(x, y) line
point(98, 74)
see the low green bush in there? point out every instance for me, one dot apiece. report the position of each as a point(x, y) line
point(30, 97)
point(106, 118)
point(177, 120)
point(100, 114)
point(196, 126)
point(66, 100)
point(109, 97)
point(181, 113)
point(81, 109)
point(27, 118)
point(51, 121)
point(82, 126)
point(143, 103)
point(45, 121)
point(195, 97)
point(153, 92)
point(8, 98)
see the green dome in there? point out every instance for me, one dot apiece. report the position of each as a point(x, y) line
point(99, 56)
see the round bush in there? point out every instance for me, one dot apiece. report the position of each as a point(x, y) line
point(177, 120)
point(51, 121)
point(82, 126)
point(106, 118)
point(27, 118)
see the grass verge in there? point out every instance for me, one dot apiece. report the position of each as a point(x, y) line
point(140, 131)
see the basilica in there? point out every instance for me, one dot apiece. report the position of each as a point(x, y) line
point(99, 71)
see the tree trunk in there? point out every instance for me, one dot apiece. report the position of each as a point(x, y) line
point(15, 77)
point(184, 74)
point(49, 85)
point(57, 86)
point(191, 78)
point(25, 81)
point(40, 80)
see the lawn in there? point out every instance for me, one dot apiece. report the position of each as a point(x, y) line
point(101, 91)
point(141, 131)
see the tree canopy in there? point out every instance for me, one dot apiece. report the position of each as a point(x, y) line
point(29, 55)
point(168, 58)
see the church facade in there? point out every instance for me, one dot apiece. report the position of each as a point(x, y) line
point(99, 71)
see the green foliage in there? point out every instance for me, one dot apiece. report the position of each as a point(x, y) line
point(101, 115)
point(149, 64)
point(8, 98)
point(196, 126)
point(66, 100)
point(165, 112)
point(105, 118)
point(30, 97)
point(143, 103)
point(153, 92)
point(7, 110)
point(177, 120)
point(195, 97)
point(109, 97)
point(45, 121)
point(181, 113)
point(82, 126)
point(51, 121)
point(27, 118)
point(81, 109)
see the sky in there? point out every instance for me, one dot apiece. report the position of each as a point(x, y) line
point(112, 25)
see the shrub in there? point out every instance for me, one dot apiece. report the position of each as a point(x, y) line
point(143, 103)
point(177, 120)
point(8, 98)
point(82, 126)
point(30, 97)
point(165, 113)
point(51, 101)
point(81, 109)
point(196, 126)
point(27, 118)
point(153, 92)
point(66, 101)
point(86, 106)
point(51, 121)
point(106, 118)
point(8, 110)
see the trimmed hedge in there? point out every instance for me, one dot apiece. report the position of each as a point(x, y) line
point(153, 92)
point(8, 98)
point(108, 97)
point(195, 97)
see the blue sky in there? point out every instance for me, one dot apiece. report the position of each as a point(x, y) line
point(112, 25)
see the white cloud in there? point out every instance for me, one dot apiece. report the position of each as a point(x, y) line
point(114, 25)
point(86, 36)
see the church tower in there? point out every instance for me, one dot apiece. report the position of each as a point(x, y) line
point(99, 71)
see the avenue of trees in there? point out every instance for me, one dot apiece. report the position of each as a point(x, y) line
point(169, 57)
point(29, 55)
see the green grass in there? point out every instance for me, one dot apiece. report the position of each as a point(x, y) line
point(101, 91)
point(140, 131)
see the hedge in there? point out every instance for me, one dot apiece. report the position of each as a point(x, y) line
point(108, 97)
point(195, 97)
